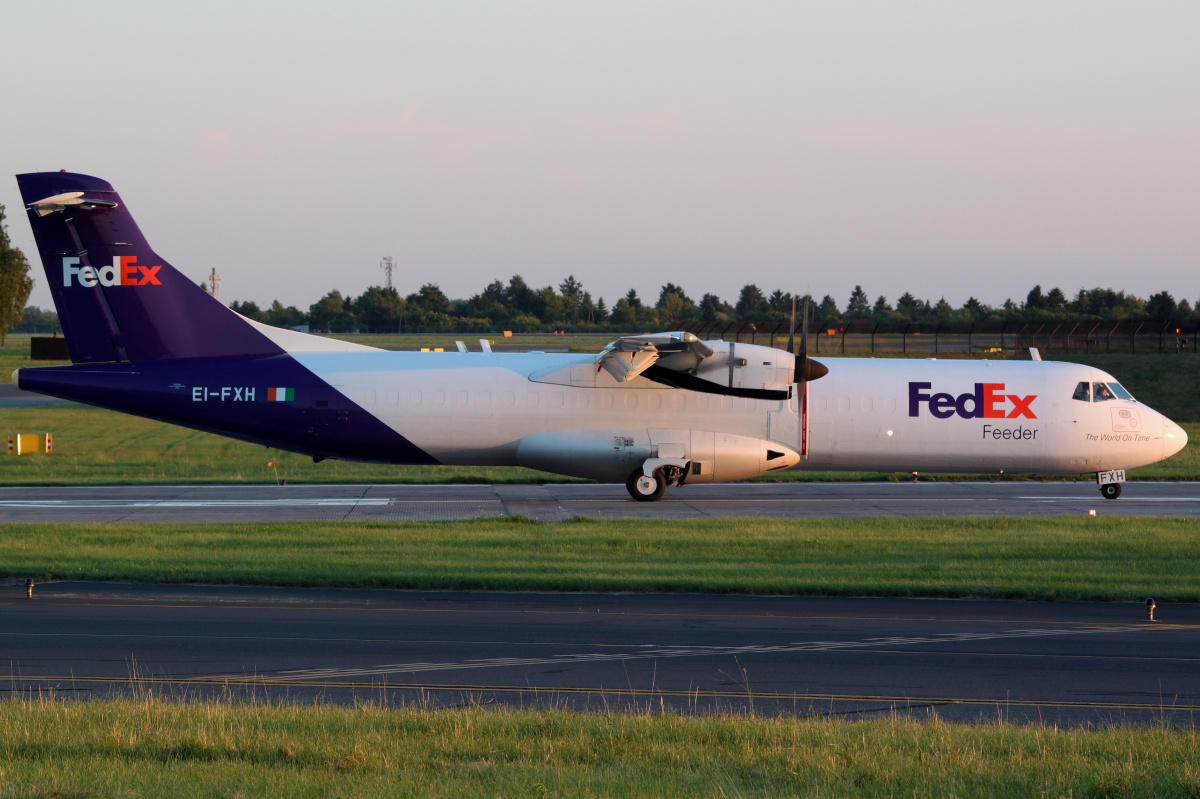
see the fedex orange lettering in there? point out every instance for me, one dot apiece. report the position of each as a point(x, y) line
point(124, 271)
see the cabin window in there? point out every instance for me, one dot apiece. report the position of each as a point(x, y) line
point(1102, 393)
point(1083, 392)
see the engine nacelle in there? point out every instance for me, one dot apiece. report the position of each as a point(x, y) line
point(611, 455)
point(739, 366)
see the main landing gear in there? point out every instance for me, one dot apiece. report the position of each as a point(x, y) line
point(1110, 490)
point(650, 488)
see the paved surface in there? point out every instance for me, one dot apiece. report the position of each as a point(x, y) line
point(1058, 663)
point(558, 502)
point(12, 397)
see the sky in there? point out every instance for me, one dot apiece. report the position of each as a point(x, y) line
point(944, 148)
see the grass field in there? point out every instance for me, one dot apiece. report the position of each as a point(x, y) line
point(150, 747)
point(1064, 558)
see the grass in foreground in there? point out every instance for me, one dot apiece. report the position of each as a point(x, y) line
point(154, 748)
point(1063, 558)
point(94, 446)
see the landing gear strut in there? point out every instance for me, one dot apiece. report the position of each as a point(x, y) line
point(1111, 490)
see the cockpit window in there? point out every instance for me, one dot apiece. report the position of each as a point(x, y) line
point(1120, 391)
point(1083, 392)
point(1102, 392)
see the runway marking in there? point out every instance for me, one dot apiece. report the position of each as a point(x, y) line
point(1126, 499)
point(58, 504)
point(682, 652)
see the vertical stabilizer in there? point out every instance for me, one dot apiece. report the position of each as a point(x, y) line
point(117, 300)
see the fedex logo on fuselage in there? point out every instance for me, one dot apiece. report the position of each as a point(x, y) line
point(987, 401)
point(125, 271)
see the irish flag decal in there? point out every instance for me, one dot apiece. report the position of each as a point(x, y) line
point(281, 394)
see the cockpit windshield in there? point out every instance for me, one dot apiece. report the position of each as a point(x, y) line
point(1109, 391)
point(1120, 391)
point(1100, 392)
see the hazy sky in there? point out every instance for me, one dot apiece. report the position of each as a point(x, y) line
point(948, 148)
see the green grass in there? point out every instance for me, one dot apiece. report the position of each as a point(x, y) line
point(14, 354)
point(1169, 384)
point(150, 747)
point(1063, 558)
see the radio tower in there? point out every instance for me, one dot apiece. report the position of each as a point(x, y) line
point(388, 266)
point(214, 280)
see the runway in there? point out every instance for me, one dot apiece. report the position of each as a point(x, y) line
point(1056, 663)
point(553, 502)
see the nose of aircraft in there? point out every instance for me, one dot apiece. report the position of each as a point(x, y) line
point(1174, 438)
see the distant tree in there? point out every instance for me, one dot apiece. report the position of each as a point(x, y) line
point(1034, 300)
point(15, 282)
point(859, 305)
point(751, 303)
point(35, 320)
point(623, 313)
point(943, 309)
point(519, 298)
point(248, 309)
point(882, 307)
point(601, 312)
point(327, 311)
point(780, 303)
point(828, 311)
point(671, 288)
point(673, 308)
point(632, 298)
point(1056, 301)
point(429, 299)
point(713, 310)
point(379, 307)
point(974, 308)
point(570, 288)
point(1161, 306)
point(279, 316)
point(908, 306)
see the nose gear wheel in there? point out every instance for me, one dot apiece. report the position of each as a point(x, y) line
point(646, 489)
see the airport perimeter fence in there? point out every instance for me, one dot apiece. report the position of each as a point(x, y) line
point(929, 340)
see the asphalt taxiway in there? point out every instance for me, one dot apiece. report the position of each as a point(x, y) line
point(557, 502)
point(1076, 663)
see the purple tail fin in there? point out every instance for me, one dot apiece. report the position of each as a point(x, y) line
point(116, 299)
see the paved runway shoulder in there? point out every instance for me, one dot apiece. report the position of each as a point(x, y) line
point(560, 502)
point(1061, 663)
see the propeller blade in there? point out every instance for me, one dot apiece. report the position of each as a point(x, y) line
point(792, 330)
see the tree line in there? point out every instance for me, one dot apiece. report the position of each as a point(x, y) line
point(517, 306)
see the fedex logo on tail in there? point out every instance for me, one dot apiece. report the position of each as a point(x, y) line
point(125, 271)
point(987, 401)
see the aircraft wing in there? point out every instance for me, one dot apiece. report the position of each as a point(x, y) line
point(629, 356)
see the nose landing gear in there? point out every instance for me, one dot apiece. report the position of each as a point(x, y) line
point(650, 487)
point(1110, 490)
point(646, 489)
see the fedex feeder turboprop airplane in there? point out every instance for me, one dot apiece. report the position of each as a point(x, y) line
point(652, 411)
